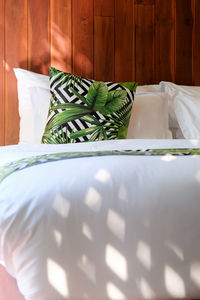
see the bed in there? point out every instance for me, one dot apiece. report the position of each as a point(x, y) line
point(114, 219)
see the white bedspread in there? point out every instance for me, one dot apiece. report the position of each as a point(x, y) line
point(103, 227)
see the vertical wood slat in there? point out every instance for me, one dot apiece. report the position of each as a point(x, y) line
point(15, 56)
point(104, 49)
point(61, 37)
point(2, 39)
point(196, 44)
point(184, 29)
point(145, 33)
point(38, 36)
point(83, 18)
point(124, 40)
point(104, 8)
point(165, 40)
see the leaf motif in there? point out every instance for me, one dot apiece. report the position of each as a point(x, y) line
point(97, 95)
point(114, 101)
point(130, 85)
point(66, 116)
point(90, 119)
point(84, 132)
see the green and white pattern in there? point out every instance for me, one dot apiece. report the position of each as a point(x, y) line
point(86, 110)
point(40, 159)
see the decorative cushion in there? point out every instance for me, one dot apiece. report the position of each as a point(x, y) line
point(87, 110)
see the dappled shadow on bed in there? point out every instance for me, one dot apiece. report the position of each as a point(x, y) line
point(120, 255)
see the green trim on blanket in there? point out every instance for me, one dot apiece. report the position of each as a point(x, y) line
point(23, 163)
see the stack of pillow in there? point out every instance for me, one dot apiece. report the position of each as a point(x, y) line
point(68, 109)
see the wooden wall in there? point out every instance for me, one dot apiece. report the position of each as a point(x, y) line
point(142, 40)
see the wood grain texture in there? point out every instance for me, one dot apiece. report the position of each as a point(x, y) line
point(104, 49)
point(165, 40)
point(61, 35)
point(184, 30)
point(38, 36)
point(104, 8)
point(15, 56)
point(145, 50)
point(83, 18)
point(124, 40)
point(143, 40)
point(2, 58)
point(196, 43)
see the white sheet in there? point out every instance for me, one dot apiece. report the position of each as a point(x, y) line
point(103, 227)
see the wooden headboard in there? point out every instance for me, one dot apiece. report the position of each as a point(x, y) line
point(143, 40)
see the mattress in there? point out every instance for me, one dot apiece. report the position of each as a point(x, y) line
point(110, 227)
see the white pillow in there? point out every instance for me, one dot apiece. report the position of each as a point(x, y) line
point(173, 90)
point(187, 110)
point(34, 100)
point(148, 88)
point(149, 117)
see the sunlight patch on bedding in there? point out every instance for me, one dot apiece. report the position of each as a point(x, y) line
point(168, 157)
point(87, 267)
point(174, 283)
point(93, 199)
point(116, 262)
point(87, 231)
point(194, 142)
point(58, 237)
point(176, 250)
point(195, 273)
point(146, 290)
point(116, 224)
point(57, 277)
point(143, 254)
point(61, 206)
point(122, 194)
point(113, 292)
point(102, 176)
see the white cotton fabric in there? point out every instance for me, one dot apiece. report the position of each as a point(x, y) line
point(149, 117)
point(183, 109)
point(103, 227)
point(34, 100)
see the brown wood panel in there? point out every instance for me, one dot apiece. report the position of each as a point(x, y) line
point(196, 43)
point(61, 36)
point(38, 36)
point(83, 18)
point(145, 34)
point(145, 2)
point(104, 49)
point(184, 30)
point(2, 57)
point(165, 40)
point(15, 56)
point(124, 40)
point(104, 8)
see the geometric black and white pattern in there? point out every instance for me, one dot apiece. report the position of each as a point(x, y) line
point(61, 94)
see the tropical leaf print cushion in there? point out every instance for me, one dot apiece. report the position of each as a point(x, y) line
point(86, 110)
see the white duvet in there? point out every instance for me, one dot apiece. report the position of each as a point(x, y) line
point(103, 227)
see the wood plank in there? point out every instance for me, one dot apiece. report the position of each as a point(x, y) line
point(196, 40)
point(165, 40)
point(83, 37)
point(145, 34)
point(38, 36)
point(184, 29)
point(16, 56)
point(104, 8)
point(124, 40)
point(104, 49)
point(61, 37)
point(145, 2)
point(2, 58)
